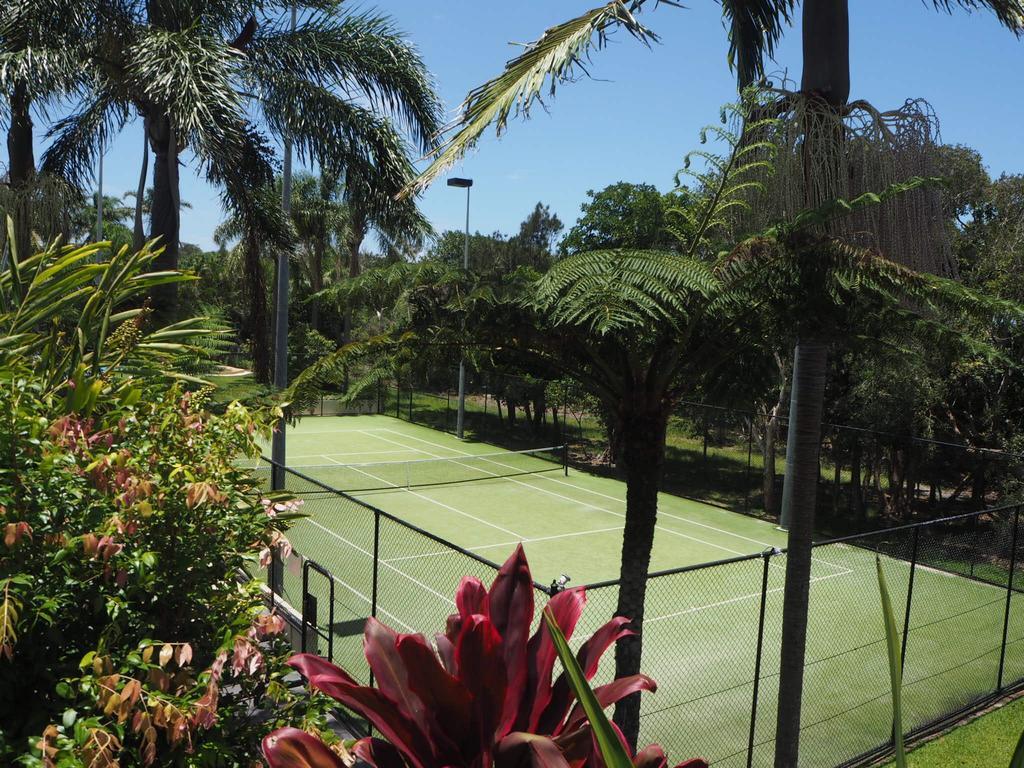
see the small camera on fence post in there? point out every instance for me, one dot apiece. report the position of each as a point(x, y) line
point(559, 584)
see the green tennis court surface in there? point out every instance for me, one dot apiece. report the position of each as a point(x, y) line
point(701, 625)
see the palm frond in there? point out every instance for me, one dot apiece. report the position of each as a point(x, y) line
point(363, 54)
point(546, 63)
point(1009, 12)
point(754, 26)
point(78, 137)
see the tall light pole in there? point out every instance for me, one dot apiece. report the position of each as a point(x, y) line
point(461, 417)
point(277, 448)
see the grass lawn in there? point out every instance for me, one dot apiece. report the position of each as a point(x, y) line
point(987, 742)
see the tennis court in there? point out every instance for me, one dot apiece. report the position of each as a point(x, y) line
point(702, 625)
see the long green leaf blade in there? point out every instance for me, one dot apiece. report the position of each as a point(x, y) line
point(612, 751)
point(892, 647)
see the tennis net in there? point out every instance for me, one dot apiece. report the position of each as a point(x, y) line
point(418, 473)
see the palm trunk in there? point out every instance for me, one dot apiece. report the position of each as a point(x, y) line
point(164, 218)
point(316, 281)
point(259, 319)
point(21, 167)
point(643, 454)
point(799, 500)
point(139, 231)
point(353, 242)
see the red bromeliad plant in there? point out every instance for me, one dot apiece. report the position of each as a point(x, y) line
point(484, 697)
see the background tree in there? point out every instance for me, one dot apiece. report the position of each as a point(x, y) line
point(622, 215)
point(217, 79)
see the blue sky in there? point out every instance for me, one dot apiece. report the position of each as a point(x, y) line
point(641, 112)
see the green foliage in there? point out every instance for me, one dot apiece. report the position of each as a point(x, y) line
point(125, 521)
point(622, 215)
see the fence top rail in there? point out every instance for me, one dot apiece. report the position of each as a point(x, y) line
point(919, 525)
point(994, 452)
point(399, 521)
point(772, 552)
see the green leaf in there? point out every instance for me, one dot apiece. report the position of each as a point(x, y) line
point(892, 647)
point(1018, 754)
point(69, 717)
point(612, 751)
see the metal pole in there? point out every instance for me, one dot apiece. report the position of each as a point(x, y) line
point(278, 452)
point(461, 417)
point(750, 454)
point(757, 658)
point(1009, 595)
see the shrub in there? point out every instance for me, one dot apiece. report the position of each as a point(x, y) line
point(485, 696)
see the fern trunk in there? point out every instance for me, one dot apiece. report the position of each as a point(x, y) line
point(642, 438)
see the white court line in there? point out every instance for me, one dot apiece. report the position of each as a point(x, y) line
point(349, 453)
point(542, 476)
point(425, 498)
point(415, 581)
point(698, 608)
point(552, 493)
point(507, 543)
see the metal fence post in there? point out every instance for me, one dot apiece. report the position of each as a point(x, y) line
point(410, 405)
point(398, 400)
point(910, 597)
point(767, 555)
point(750, 454)
point(1009, 595)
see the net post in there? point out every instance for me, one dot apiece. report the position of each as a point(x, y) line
point(704, 429)
point(565, 459)
point(398, 399)
point(910, 597)
point(767, 555)
point(1009, 595)
point(410, 405)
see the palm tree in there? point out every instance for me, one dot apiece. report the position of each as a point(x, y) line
point(321, 221)
point(219, 78)
point(754, 28)
point(41, 45)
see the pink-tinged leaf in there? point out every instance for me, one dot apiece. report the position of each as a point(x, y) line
point(566, 608)
point(471, 597)
point(446, 652)
point(651, 756)
point(370, 703)
point(527, 750)
point(378, 753)
point(511, 603)
point(292, 748)
point(453, 627)
point(697, 762)
point(482, 671)
point(446, 701)
point(607, 695)
point(380, 644)
point(311, 665)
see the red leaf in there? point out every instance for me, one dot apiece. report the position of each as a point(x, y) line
point(577, 746)
point(511, 603)
point(446, 651)
point(589, 656)
point(566, 607)
point(527, 750)
point(447, 703)
point(471, 597)
point(591, 651)
point(292, 748)
point(373, 705)
point(310, 665)
point(389, 671)
point(482, 671)
point(378, 753)
point(609, 694)
point(697, 762)
point(651, 756)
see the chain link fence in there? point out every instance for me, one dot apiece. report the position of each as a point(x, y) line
point(711, 633)
point(733, 457)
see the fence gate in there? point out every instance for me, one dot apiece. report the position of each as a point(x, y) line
point(311, 628)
